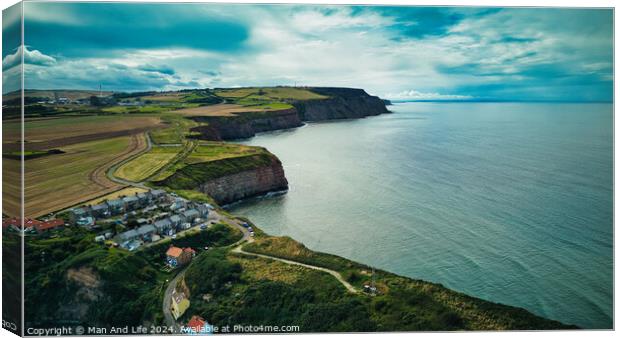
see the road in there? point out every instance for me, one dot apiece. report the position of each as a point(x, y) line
point(168, 317)
point(110, 172)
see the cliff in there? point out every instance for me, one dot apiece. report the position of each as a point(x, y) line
point(246, 125)
point(342, 103)
point(338, 103)
point(232, 179)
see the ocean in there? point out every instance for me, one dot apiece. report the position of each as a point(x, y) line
point(509, 202)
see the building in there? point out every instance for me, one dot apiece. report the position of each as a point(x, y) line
point(163, 226)
point(203, 209)
point(179, 304)
point(191, 215)
point(197, 325)
point(11, 223)
point(144, 198)
point(77, 213)
point(128, 236)
point(116, 206)
point(159, 195)
point(178, 204)
point(86, 221)
point(178, 257)
point(53, 224)
point(176, 220)
point(146, 232)
point(131, 202)
point(100, 210)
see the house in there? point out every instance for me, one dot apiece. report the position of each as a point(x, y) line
point(11, 223)
point(158, 195)
point(143, 198)
point(49, 225)
point(146, 231)
point(197, 325)
point(163, 225)
point(77, 213)
point(175, 220)
point(203, 210)
point(178, 204)
point(131, 202)
point(100, 210)
point(116, 206)
point(191, 215)
point(86, 221)
point(179, 304)
point(177, 257)
point(128, 236)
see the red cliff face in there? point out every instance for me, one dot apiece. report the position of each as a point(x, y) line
point(246, 184)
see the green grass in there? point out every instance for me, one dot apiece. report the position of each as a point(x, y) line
point(176, 132)
point(148, 109)
point(193, 175)
point(147, 164)
point(278, 93)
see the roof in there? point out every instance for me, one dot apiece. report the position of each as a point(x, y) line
point(79, 210)
point(173, 251)
point(128, 234)
point(130, 199)
point(115, 202)
point(101, 206)
point(175, 218)
point(189, 250)
point(145, 229)
point(162, 223)
point(51, 224)
point(191, 213)
point(142, 195)
point(157, 192)
point(196, 323)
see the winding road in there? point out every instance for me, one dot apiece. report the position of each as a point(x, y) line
point(237, 247)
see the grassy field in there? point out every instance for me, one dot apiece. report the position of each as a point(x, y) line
point(149, 108)
point(11, 187)
point(147, 164)
point(63, 127)
point(278, 93)
point(191, 176)
point(59, 181)
point(175, 131)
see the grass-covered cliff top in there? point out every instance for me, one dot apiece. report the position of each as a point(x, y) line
point(190, 176)
point(270, 292)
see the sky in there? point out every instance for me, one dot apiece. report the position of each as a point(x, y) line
point(398, 53)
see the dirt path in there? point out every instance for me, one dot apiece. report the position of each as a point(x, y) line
point(137, 145)
point(347, 285)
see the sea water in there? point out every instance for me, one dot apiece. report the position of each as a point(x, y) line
point(509, 202)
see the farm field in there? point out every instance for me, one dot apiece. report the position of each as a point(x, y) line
point(175, 130)
point(60, 181)
point(147, 164)
point(225, 109)
point(277, 93)
point(48, 133)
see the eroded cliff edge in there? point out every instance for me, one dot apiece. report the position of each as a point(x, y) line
point(232, 179)
point(337, 103)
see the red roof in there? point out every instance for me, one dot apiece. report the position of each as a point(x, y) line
point(189, 250)
point(51, 224)
point(17, 222)
point(173, 251)
point(196, 323)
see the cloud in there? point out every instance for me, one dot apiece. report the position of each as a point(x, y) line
point(31, 57)
point(415, 95)
point(442, 52)
point(157, 69)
